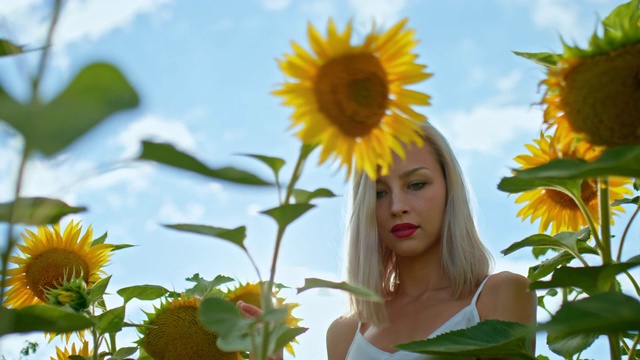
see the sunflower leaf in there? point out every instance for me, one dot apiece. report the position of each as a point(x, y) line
point(551, 293)
point(566, 240)
point(41, 318)
point(203, 287)
point(142, 292)
point(98, 289)
point(517, 184)
point(284, 335)
point(167, 154)
point(274, 163)
point(224, 318)
point(100, 240)
point(111, 321)
point(97, 92)
point(36, 211)
point(545, 59)
point(235, 236)
point(124, 353)
point(635, 201)
point(8, 48)
point(567, 346)
point(314, 283)
point(304, 196)
point(591, 280)
point(548, 266)
point(286, 214)
point(489, 338)
point(598, 314)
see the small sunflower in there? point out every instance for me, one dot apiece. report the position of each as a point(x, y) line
point(49, 258)
point(554, 207)
point(173, 332)
point(250, 293)
point(352, 99)
point(593, 93)
point(63, 354)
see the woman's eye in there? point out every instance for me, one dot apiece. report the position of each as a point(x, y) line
point(417, 185)
point(380, 194)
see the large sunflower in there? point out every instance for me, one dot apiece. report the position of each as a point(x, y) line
point(250, 293)
point(50, 258)
point(63, 354)
point(352, 99)
point(593, 93)
point(554, 207)
point(173, 332)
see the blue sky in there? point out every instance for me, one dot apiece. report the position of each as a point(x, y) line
point(205, 70)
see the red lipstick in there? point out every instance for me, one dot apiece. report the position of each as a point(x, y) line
point(403, 230)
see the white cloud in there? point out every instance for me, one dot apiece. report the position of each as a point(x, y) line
point(275, 5)
point(254, 209)
point(487, 128)
point(509, 81)
point(383, 12)
point(320, 10)
point(562, 16)
point(156, 128)
point(171, 212)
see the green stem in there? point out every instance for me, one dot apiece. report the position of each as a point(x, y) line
point(112, 347)
point(626, 230)
point(45, 51)
point(614, 346)
point(633, 282)
point(12, 211)
point(592, 223)
point(632, 351)
point(96, 346)
point(605, 219)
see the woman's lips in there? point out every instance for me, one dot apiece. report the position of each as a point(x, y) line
point(403, 230)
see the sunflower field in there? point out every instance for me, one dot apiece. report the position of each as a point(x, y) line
point(353, 103)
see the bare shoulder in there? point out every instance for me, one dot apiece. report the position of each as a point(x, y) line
point(340, 335)
point(506, 296)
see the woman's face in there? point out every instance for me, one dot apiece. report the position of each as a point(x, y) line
point(410, 203)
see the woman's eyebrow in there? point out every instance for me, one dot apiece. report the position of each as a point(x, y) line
point(413, 171)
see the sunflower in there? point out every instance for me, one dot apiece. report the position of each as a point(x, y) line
point(173, 332)
point(593, 93)
point(352, 99)
point(554, 207)
point(63, 354)
point(49, 258)
point(250, 293)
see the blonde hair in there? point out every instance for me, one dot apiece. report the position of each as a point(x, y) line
point(465, 260)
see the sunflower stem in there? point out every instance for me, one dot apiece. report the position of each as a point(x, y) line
point(632, 351)
point(592, 223)
point(94, 334)
point(614, 346)
point(45, 52)
point(605, 219)
point(633, 282)
point(626, 230)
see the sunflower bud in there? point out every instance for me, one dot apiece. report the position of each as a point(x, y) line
point(72, 293)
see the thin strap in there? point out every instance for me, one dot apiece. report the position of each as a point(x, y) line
point(358, 329)
point(475, 297)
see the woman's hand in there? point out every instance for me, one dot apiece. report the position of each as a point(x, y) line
point(251, 312)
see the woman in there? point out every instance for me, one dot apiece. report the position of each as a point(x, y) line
point(413, 240)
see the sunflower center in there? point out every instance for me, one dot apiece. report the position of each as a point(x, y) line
point(352, 92)
point(51, 268)
point(588, 193)
point(177, 334)
point(601, 97)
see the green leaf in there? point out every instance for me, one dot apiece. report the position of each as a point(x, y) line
point(8, 48)
point(41, 318)
point(636, 184)
point(551, 293)
point(142, 292)
point(598, 314)
point(223, 318)
point(617, 161)
point(286, 214)
point(36, 210)
point(564, 240)
point(545, 59)
point(98, 289)
point(304, 196)
point(567, 346)
point(517, 184)
point(489, 338)
point(168, 155)
point(313, 283)
point(548, 266)
point(124, 353)
point(100, 240)
point(116, 247)
point(274, 163)
point(591, 280)
point(97, 92)
point(203, 287)
point(111, 321)
point(284, 335)
point(235, 236)
point(634, 201)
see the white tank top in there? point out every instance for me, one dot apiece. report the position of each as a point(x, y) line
point(362, 349)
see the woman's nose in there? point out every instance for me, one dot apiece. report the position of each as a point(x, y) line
point(398, 204)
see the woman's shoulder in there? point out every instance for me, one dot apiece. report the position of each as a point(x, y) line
point(506, 296)
point(340, 334)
